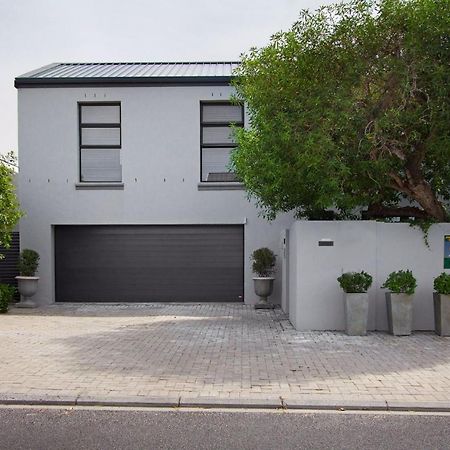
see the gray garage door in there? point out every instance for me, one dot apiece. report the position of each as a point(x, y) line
point(134, 263)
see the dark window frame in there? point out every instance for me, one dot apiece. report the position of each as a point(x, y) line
point(216, 124)
point(82, 125)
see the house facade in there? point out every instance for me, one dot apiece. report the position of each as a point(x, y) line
point(126, 187)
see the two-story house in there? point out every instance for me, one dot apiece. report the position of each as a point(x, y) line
point(126, 185)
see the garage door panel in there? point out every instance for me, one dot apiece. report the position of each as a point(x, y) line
point(157, 286)
point(149, 263)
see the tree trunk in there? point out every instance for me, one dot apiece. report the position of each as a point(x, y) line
point(425, 197)
point(416, 188)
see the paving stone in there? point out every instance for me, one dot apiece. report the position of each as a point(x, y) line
point(211, 352)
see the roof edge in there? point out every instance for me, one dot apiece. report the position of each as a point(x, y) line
point(30, 82)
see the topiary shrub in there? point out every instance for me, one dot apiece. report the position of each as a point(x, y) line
point(442, 284)
point(6, 295)
point(263, 262)
point(355, 282)
point(28, 262)
point(401, 282)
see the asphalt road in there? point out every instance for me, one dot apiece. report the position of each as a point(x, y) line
point(55, 428)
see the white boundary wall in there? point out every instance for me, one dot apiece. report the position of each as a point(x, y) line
point(314, 297)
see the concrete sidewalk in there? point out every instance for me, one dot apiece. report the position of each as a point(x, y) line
point(212, 355)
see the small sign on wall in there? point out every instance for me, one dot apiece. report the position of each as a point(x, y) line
point(447, 251)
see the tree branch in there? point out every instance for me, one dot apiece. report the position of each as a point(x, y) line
point(9, 163)
point(380, 211)
point(398, 184)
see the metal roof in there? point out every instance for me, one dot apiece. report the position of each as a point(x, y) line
point(148, 73)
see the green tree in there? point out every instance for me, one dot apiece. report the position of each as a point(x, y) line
point(350, 111)
point(9, 206)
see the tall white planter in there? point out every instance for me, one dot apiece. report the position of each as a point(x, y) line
point(441, 314)
point(356, 313)
point(400, 313)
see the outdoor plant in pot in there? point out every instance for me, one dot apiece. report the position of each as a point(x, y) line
point(399, 301)
point(27, 281)
point(356, 301)
point(263, 265)
point(6, 296)
point(441, 298)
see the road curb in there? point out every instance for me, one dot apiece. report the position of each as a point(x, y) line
point(215, 403)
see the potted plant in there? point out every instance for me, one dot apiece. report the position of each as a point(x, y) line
point(356, 301)
point(263, 265)
point(6, 295)
point(27, 281)
point(441, 300)
point(399, 301)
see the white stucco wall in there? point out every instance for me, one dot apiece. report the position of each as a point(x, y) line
point(315, 297)
point(160, 158)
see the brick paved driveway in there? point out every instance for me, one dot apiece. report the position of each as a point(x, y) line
point(222, 352)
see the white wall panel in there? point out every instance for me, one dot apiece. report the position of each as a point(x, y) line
point(315, 297)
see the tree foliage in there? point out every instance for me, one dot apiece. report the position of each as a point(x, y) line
point(9, 206)
point(350, 111)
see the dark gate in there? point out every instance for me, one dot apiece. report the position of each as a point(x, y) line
point(8, 265)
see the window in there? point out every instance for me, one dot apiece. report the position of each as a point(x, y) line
point(217, 140)
point(100, 142)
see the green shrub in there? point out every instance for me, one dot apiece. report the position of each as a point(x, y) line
point(355, 282)
point(28, 262)
point(442, 284)
point(6, 295)
point(263, 262)
point(401, 282)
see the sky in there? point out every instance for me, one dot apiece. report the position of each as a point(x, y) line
point(34, 33)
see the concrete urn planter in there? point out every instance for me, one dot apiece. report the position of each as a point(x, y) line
point(441, 314)
point(356, 313)
point(27, 287)
point(263, 289)
point(399, 313)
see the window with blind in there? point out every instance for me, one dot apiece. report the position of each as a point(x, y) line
point(100, 137)
point(217, 141)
